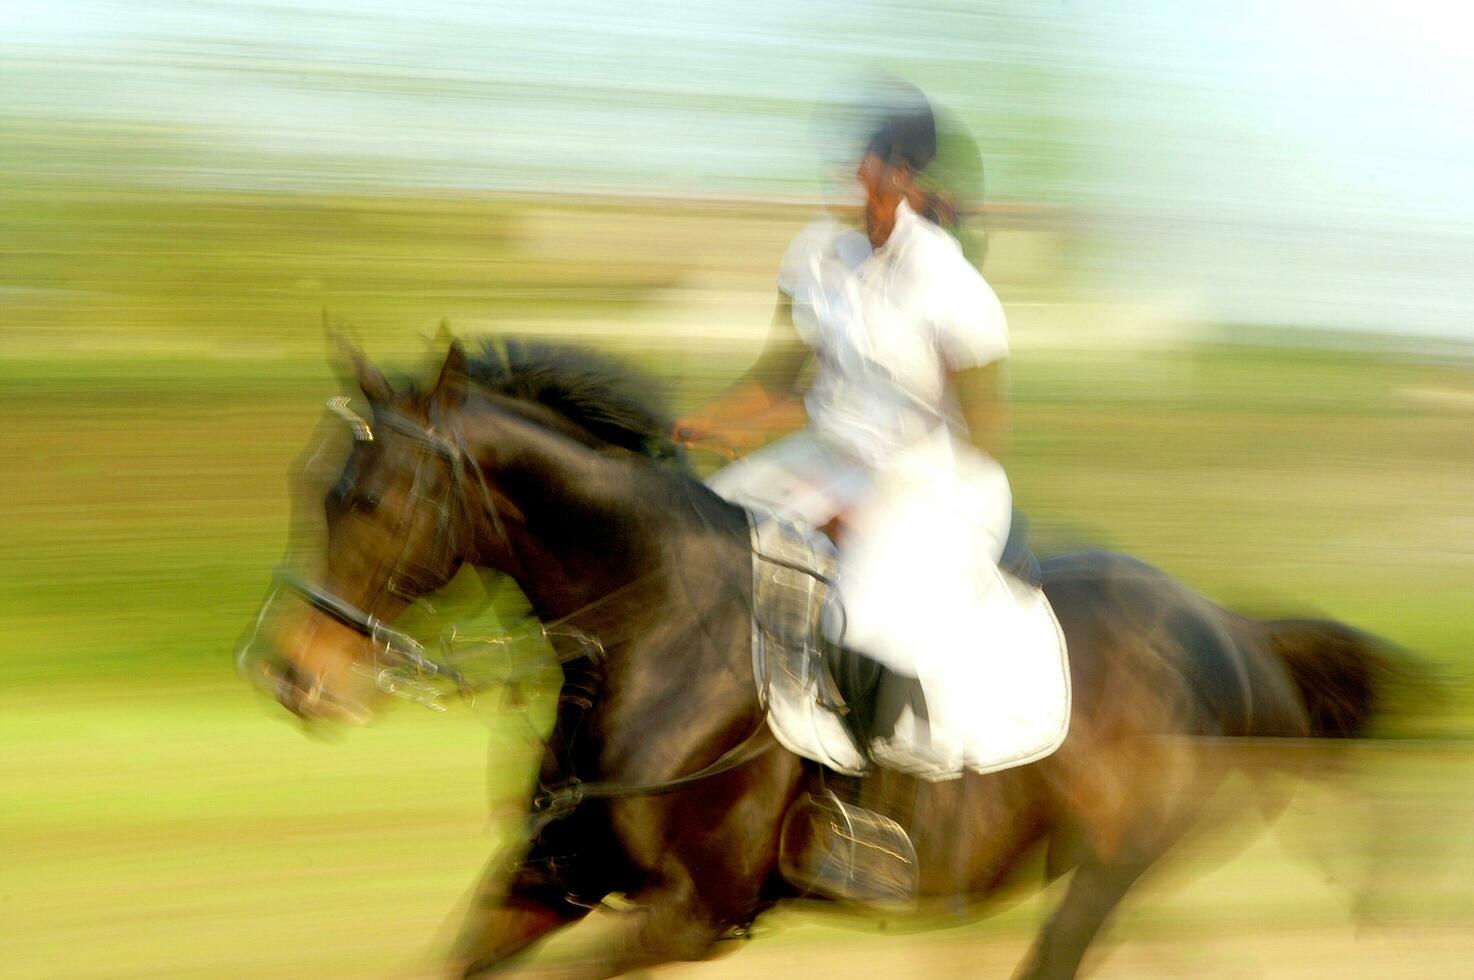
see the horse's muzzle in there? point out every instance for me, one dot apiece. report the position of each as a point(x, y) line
point(307, 662)
point(307, 696)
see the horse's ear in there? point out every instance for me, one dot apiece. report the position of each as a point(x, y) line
point(450, 385)
point(353, 367)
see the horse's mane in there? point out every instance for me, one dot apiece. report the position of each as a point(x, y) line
point(609, 400)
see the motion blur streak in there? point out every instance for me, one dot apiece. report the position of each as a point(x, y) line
point(1234, 245)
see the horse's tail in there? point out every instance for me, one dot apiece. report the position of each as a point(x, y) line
point(1344, 675)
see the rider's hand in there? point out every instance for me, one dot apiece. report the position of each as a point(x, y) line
point(687, 432)
point(699, 434)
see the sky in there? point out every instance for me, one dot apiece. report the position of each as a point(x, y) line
point(1270, 162)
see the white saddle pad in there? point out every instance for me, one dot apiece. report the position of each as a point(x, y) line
point(1006, 703)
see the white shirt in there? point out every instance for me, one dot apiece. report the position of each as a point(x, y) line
point(888, 325)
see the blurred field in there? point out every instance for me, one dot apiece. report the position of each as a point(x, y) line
point(161, 364)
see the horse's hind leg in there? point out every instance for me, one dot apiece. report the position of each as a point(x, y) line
point(1137, 817)
point(1094, 892)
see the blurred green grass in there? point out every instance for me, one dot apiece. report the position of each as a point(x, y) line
point(152, 497)
point(161, 366)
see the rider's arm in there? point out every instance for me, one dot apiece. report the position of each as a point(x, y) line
point(972, 332)
point(758, 400)
point(983, 397)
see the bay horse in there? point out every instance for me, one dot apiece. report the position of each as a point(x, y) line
point(660, 782)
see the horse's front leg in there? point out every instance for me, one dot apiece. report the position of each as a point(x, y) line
point(662, 924)
point(705, 855)
point(507, 914)
point(494, 936)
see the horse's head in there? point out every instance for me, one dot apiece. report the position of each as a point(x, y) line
point(494, 465)
point(382, 501)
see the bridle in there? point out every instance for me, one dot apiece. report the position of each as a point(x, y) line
point(402, 666)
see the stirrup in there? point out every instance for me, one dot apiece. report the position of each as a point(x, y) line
point(846, 852)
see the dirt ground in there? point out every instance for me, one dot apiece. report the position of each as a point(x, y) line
point(1421, 952)
point(1424, 953)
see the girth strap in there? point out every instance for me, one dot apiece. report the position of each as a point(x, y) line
point(562, 800)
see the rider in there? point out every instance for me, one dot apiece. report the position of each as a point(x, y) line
point(906, 418)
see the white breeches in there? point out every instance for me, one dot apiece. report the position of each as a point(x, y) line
point(923, 534)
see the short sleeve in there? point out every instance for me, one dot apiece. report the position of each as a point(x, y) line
point(798, 272)
point(971, 329)
point(813, 272)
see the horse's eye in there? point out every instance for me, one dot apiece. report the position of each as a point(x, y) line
point(366, 503)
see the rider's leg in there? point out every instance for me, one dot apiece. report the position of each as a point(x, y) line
point(798, 478)
point(921, 589)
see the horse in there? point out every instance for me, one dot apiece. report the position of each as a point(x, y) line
point(660, 782)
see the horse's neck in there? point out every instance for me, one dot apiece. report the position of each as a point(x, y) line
point(577, 527)
point(652, 566)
